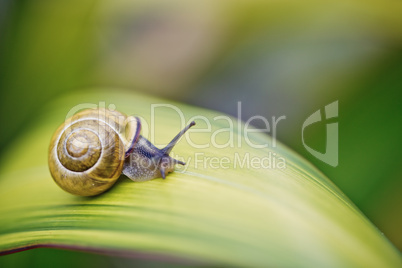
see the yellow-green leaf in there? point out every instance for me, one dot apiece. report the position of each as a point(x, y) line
point(231, 215)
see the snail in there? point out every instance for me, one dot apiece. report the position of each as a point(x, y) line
point(89, 152)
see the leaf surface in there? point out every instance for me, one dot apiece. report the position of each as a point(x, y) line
point(235, 214)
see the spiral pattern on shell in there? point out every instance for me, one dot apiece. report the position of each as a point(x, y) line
point(87, 152)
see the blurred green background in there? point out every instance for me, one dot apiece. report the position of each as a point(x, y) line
point(278, 58)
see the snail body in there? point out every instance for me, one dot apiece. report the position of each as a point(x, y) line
point(89, 152)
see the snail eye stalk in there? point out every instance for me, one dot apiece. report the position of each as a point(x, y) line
point(171, 144)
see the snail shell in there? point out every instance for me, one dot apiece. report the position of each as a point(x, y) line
point(87, 152)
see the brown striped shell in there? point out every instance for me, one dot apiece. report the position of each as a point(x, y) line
point(87, 152)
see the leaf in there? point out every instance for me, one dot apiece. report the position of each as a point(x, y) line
point(232, 215)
